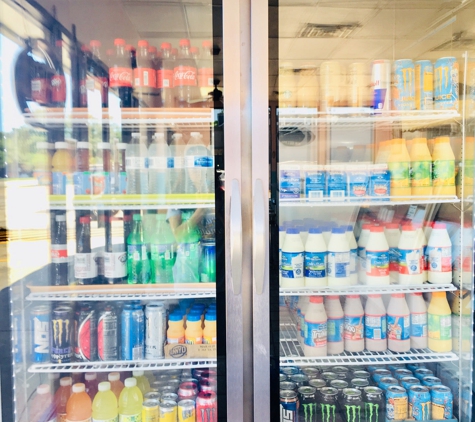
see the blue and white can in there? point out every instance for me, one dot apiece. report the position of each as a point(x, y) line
point(408, 382)
point(421, 373)
point(446, 83)
point(133, 332)
point(424, 85)
point(386, 382)
point(442, 400)
point(419, 403)
point(404, 90)
point(40, 320)
point(288, 406)
point(431, 381)
point(381, 84)
point(396, 403)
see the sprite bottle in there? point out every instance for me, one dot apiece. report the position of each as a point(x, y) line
point(138, 265)
point(187, 265)
point(162, 252)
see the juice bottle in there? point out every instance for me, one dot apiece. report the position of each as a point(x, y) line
point(461, 309)
point(422, 242)
point(443, 168)
point(335, 322)
point(421, 168)
point(353, 255)
point(130, 402)
point(42, 170)
point(393, 235)
point(104, 406)
point(418, 310)
point(398, 319)
point(82, 176)
point(61, 397)
point(315, 259)
point(176, 329)
point(338, 258)
point(62, 166)
point(439, 252)
point(142, 381)
point(116, 384)
point(410, 257)
point(209, 331)
point(466, 169)
point(375, 324)
point(79, 406)
point(193, 332)
point(315, 343)
point(293, 260)
point(440, 323)
point(42, 407)
point(353, 330)
point(377, 257)
point(399, 163)
point(362, 241)
point(91, 384)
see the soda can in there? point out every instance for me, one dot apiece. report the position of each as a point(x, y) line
point(414, 366)
point(156, 385)
point(282, 377)
point(311, 373)
point(421, 373)
point(300, 380)
point(381, 85)
point(386, 382)
point(340, 385)
point(40, 326)
point(342, 372)
point(380, 373)
point(168, 411)
point(207, 227)
point(361, 374)
point(150, 411)
point(408, 382)
point(374, 404)
point(399, 374)
point(208, 262)
point(446, 82)
point(207, 407)
point(208, 385)
point(329, 376)
point(290, 370)
point(186, 411)
point(431, 381)
point(442, 402)
point(318, 383)
point(307, 397)
point(61, 334)
point(372, 368)
point(85, 333)
point(396, 403)
point(424, 85)
point(359, 383)
point(167, 389)
point(358, 85)
point(197, 372)
point(419, 403)
point(404, 89)
point(187, 390)
point(152, 395)
point(194, 380)
point(155, 331)
point(132, 327)
point(169, 397)
point(107, 334)
point(288, 406)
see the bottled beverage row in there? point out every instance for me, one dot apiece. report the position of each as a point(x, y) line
point(169, 396)
point(315, 255)
point(366, 394)
point(402, 169)
point(178, 247)
point(383, 85)
point(89, 331)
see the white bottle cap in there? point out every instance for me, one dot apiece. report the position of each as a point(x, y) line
point(137, 373)
point(122, 145)
point(65, 382)
point(59, 218)
point(104, 145)
point(61, 145)
point(90, 376)
point(130, 382)
point(43, 389)
point(83, 145)
point(113, 376)
point(79, 388)
point(104, 386)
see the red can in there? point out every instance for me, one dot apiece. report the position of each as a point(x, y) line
point(85, 324)
point(187, 390)
point(208, 385)
point(208, 373)
point(206, 407)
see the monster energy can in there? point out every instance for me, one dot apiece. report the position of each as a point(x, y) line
point(419, 403)
point(396, 403)
point(362, 374)
point(352, 405)
point(288, 385)
point(317, 383)
point(288, 406)
point(307, 404)
point(327, 410)
point(373, 404)
point(359, 383)
point(342, 372)
point(311, 373)
point(299, 379)
point(340, 385)
point(329, 376)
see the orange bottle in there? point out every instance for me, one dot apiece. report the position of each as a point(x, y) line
point(116, 384)
point(79, 407)
point(62, 396)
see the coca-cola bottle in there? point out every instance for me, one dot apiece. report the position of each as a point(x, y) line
point(82, 75)
point(145, 77)
point(58, 81)
point(165, 76)
point(40, 86)
point(99, 73)
point(184, 76)
point(132, 54)
point(59, 251)
point(205, 74)
point(120, 74)
point(155, 59)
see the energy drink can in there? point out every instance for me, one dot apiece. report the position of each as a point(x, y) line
point(168, 396)
point(421, 373)
point(187, 390)
point(404, 92)
point(317, 383)
point(359, 383)
point(362, 374)
point(132, 327)
point(396, 403)
point(208, 262)
point(40, 328)
point(311, 373)
point(381, 85)
point(431, 381)
point(408, 382)
point(352, 404)
point(446, 81)
point(300, 380)
point(152, 395)
point(282, 377)
point(424, 85)
point(380, 373)
point(168, 411)
point(399, 374)
point(386, 382)
point(150, 411)
point(307, 404)
point(289, 370)
point(85, 333)
point(442, 402)
point(186, 411)
point(288, 406)
point(155, 331)
point(288, 385)
point(61, 334)
point(340, 385)
point(374, 406)
point(107, 334)
point(207, 407)
point(419, 403)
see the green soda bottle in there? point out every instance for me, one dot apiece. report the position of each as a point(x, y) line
point(186, 269)
point(162, 252)
point(138, 265)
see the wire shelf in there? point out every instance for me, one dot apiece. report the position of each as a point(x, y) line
point(366, 202)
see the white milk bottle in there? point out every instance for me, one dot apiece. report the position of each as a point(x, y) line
point(303, 304)
point(353, 329)
point(303, 233)
point(335, 322)
point(377, 258)
point(316, 328)
point(439, 252)
point(422, 241)
point(399, 325)
point(281, 243)
point(353, 255)
point(462, 255)
point(315, 259)
point(375, 324)
point(292, 260)
point(427, 228)
point(362, 241)
point(392, 236)
point(410, 252)
point(418, 310)
point(327, 232)
point(338, 268)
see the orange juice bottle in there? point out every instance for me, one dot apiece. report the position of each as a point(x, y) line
point(421, 168)
point(193, 332)
point(79, 406)
point(62, 396)
point(399, 163)
point(443, 168)
point(209, 331)
point(439, 323)
point(176, 329)
point(116, 384)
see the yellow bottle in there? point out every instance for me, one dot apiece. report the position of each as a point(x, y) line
point(439, 323)
point(142, 381)
point(466, 171)
point(443, 168)
point(383, 152)
point(62, 166)
point(176, 329)
point(399, 163)
point(461, 321)
point(209, 332)
point(193, 332)
point(421, 168)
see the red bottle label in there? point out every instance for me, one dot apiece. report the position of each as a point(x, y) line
point(165, 78)
point(205, 77)
point(120, 77)
point(58, 89)
point(184, 76)
point(39, 90)
point(59, 253)
point(104, 81)
point(82, 93)
point(145, 77)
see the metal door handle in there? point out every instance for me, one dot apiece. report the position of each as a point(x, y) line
point(259, 238)
point(235, 236)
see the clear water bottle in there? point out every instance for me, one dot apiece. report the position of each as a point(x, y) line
point(136, 165)
point(177, 170)
point(198, 165)
point(158, 161)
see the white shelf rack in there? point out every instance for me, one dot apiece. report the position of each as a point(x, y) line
point(367, 202)
point(367, 290)
point(291, 354)
point(117, 366)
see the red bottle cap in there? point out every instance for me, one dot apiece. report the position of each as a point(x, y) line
point(207, 44)
point(165, 46)
point(143, 43)
point(407, 228)
point(152, 49)
point(333, 297)
point(119, 41)
point(316, 299)
point(184, 42)
point(375, 296)
point(376, 229)
point(439, 226)
point(85, 220)
point(367, 226)
point(95, 43)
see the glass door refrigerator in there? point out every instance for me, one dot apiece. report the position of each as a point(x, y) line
point(116, 301)
point(363, 296)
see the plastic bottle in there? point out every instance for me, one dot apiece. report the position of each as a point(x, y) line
point(439, 323)
point(42, 407)
point(353, 329)
point(97, 70)
point(79, 406)
point(315, 343)
point(116, 384)
point(101, 181)
point(362, 241)
point(121, 166)
point(335, 323)
point(315, 259)
point(199, 166)
point(399, 325)
point(61, 397)
point(184, 76)
point(418, 309)
point(393, 235)
point(410, 254)
point(104, 406)
point(377, 258)
point(209, 330)
point(465, 174)
point(439, 252)
point(338, 269)
point(186, 268)
point(85, 268)
point(462, 321)
point(443, 168)
point(206, 74)
point(375, 324)
point(130, 402)
point(177, 172)
point(399, 163)
point(165, 76)
point(162, 252)
point(136, 164)
point(115, 262)
point(59, 269)
point(301, 310)
point(293, 260)
point(91, 384)
point(159, 165)
point(62, 166)
point(422, 242)
point(145, 76)
point(193, 332)
point(82, 175)
point(142, 381)
point(353, 255)
point(42, 170)
point(176, 329)
point(120, 74)
point(421, 168)
point(138, 265)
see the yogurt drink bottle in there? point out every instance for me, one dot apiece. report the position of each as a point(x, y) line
point(353, 255)
point(104, 406)
point(353, 329)
point(399, 162)
point(362, 241)
point(398, 320)
point(439, 323)
point(327, 232)
point(410, 257)
point(315, 343)
point(422, 241)
point(338, 268)
point(392, 236)
point(315, 259)
point(303, 233)
point(439, 252)
point(443, 168)
point(418, 310)
point(421, 168)
point(281, 243)
point(293, 260)
point(335, 322)
point(377, 258)
point(462, 255)
point(375, 324)
point(303, 305)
